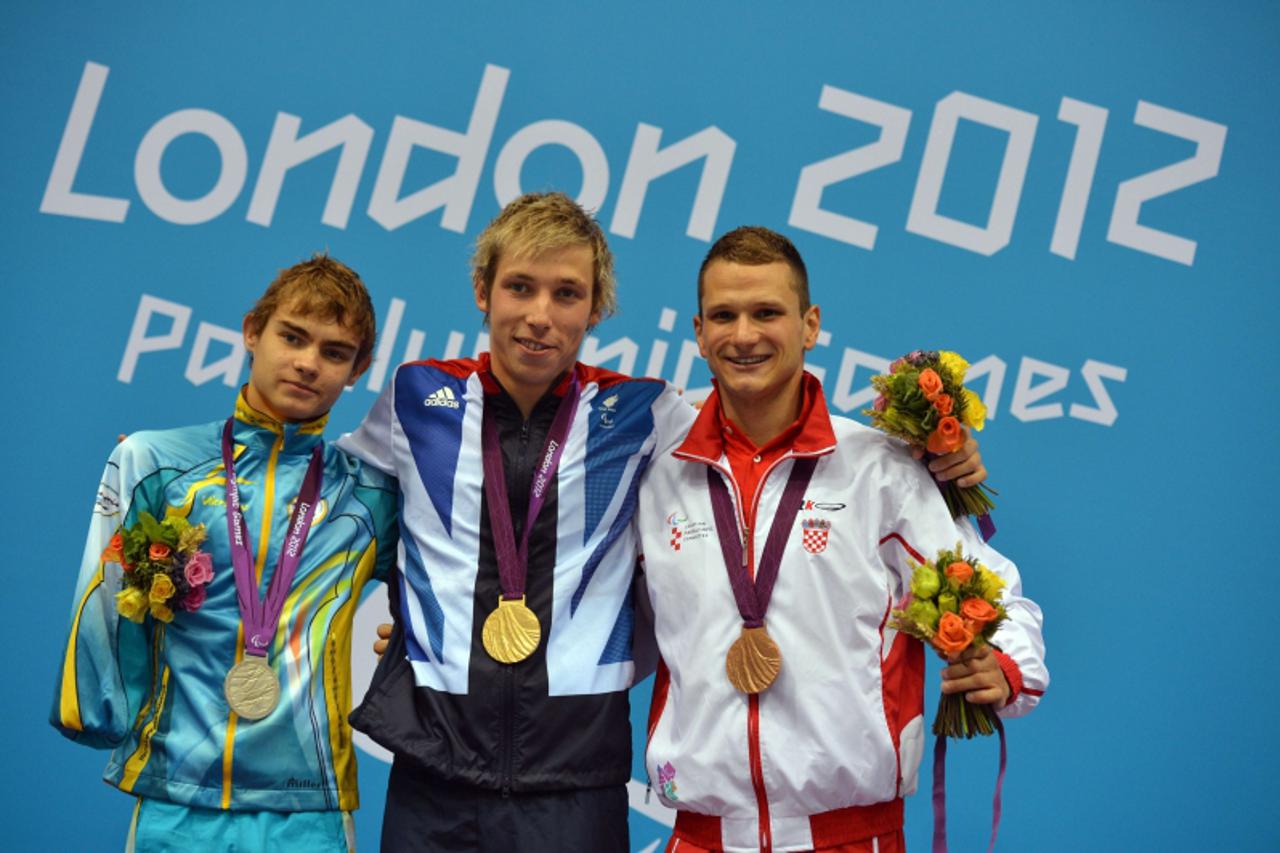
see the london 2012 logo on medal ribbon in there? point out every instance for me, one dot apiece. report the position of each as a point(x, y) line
point(816, 532)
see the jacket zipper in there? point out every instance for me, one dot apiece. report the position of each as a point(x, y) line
point(765, 831)
point(754, 752)
point(509, 682)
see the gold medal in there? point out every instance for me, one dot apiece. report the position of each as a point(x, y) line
point(511, 632)
point(251, 688)
point(754, 661)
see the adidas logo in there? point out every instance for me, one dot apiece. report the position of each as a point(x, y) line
point(442, 397)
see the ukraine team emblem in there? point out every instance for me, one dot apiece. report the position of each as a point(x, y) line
point(816, 531)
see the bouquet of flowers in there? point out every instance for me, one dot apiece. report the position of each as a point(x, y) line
point(954, 604)
point(163, 567)
point(923, 401)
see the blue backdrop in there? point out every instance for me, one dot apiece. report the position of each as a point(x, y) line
point(1079, 197)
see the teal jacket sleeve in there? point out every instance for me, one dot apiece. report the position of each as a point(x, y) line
point(105, 672)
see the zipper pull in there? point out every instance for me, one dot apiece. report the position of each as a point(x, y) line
point(648, 789)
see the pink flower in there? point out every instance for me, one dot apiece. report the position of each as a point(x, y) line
point(199, 569)
point(193, 599)
point(882, 403)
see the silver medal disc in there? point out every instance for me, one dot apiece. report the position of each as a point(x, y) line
point(252, 688)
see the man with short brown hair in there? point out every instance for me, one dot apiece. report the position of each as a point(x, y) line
point(226, 710)
point(776, 531)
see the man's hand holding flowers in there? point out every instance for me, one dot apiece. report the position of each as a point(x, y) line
point(976, 673)
point(963, 465)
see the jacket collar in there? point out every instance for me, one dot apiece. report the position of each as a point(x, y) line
point(491, 384)
point(255, 428)
point(815, 438)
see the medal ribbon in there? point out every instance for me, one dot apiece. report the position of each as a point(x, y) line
point(753, 598)
point(940, 791)
point(261, 617)
point(512, 560)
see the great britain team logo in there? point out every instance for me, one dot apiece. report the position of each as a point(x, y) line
point(608, 410)
point(816, 532)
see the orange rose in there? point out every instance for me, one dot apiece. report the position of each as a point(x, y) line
point(114, 552)
point(960, 572)
point(953, 636)
point(930, 383)
point(943, 404)
point(159, 551)
point(979, 612)
point(947, 437)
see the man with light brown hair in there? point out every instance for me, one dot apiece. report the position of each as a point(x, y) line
point(226, 714)
point(503, 693)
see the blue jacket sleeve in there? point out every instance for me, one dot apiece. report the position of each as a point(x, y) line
point(104, 675)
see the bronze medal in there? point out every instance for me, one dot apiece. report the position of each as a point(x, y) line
point(754, 661)
point(511, 633)
point(251, 688)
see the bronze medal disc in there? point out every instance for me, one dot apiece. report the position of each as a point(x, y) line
point(251, 688)
point(754, 661)
point(511, 632)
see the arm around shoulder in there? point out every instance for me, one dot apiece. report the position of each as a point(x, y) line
point(371, 441)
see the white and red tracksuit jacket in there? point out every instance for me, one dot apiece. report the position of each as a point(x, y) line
point(826, 753)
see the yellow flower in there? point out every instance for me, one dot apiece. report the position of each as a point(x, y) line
point(975, 411)
point(954, 364)
point(132, 603)
point(990, 583)
point(161, 612)
point(161, 589)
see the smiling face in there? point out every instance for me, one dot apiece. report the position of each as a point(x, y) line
point(300, 364)
point(753, 334)
point(539, 309)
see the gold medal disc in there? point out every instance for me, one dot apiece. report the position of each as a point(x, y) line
point(251, 688)
point(511, 633)
point(754, 661)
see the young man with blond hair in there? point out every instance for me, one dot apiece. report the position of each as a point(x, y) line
point(503, 692)
point(777, 531)
point(292, 539)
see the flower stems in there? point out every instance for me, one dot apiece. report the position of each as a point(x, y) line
point(957, 717)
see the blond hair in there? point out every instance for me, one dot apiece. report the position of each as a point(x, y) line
point(538, 222)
